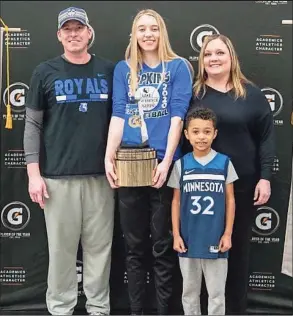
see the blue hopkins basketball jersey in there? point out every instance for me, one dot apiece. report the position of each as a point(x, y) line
point(161, 97)
point(202, 214)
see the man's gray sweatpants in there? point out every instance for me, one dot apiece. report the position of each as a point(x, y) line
point(215, 274)
point(79, 209)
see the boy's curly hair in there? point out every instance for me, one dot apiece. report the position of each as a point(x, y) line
point(201, 113)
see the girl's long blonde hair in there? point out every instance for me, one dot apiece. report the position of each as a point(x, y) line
point(236, 79)
point(133, 54)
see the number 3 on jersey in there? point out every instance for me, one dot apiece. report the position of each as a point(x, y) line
point(207, 210)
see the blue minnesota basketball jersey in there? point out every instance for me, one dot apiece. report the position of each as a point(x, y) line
point(202, 213)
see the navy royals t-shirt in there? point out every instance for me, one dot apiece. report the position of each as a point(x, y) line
point(77, 103)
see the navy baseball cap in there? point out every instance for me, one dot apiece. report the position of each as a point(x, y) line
point(72, 13)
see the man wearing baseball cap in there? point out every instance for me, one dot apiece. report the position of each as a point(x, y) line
point(68, 109)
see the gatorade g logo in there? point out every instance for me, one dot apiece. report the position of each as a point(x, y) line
point(198, 34)
point(17, 96)
point(275, 99)
point(15, 216)
point(266, 222)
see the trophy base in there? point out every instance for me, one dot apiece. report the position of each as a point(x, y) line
point(135, 166)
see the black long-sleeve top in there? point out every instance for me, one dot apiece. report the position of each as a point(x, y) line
point(245, 130)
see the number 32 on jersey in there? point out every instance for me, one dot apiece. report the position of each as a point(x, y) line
point(198, 207)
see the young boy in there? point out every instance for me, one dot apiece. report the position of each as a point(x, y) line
point(203, 209)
